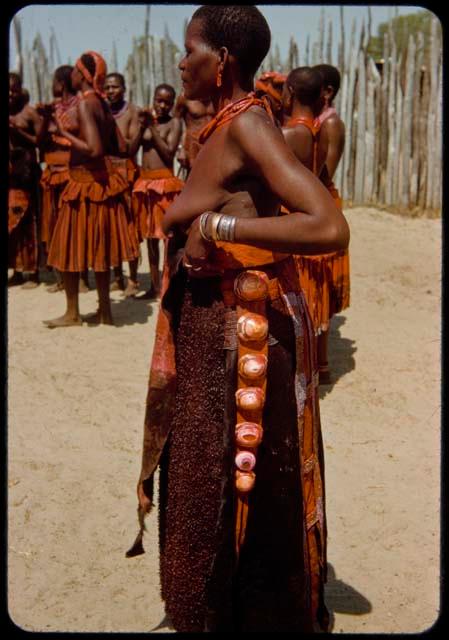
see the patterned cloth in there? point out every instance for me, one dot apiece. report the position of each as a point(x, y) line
point(189, 431)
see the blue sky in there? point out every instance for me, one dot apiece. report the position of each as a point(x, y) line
point(82, 27)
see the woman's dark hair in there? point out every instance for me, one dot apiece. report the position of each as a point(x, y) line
point(63, 74)
point(242, 29)
point(166, 87)
point(306, 83)
point(89, 63)
point(331, 76)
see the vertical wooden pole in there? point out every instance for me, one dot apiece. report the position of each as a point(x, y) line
point(432, 115)
point(19, 66)
point(407, 123)
point(329, 58)
point(417, 64)
point(348, 117)
point(391, 106)
point(397, 136)
point(360, 149)
point(370, 132)
point(320, 43)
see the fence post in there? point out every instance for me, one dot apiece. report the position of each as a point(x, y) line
point(391, 105)
point(349, 120)
point(407, 123)
point(360, 149)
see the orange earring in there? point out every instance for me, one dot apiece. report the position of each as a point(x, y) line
point(219, 79)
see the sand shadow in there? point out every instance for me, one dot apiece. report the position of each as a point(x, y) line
point(165, 623)
point(136, 310)
point(343, 598)
point(128, 311)
point(341, 354)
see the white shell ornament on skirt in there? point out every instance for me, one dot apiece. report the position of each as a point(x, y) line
point(252, 326)
point(253, 367)
point(248, 434)
point(244, 480)
point(251, 286)
point(245, 460)
point(250, 398)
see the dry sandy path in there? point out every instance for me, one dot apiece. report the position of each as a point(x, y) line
point(76, 405)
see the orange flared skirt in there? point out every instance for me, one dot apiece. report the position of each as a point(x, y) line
point(53, 182)
point(94, 228)
point(153, 193)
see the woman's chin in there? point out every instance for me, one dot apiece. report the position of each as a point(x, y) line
point(195, 94)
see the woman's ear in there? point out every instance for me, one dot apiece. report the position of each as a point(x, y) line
point(288, 96)
point(223, 54)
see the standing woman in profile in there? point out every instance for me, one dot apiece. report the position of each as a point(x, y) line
point(94, 228)
point(232, 412)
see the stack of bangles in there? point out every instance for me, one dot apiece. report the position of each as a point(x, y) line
point(222, 227)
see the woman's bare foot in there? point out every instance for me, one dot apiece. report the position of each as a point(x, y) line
point(118, 284)
point(57, 286)
point(30, 284)
point(131, 289)
point(63, 321)
point(98, 318)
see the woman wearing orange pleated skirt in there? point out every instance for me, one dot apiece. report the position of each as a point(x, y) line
point(95, 228)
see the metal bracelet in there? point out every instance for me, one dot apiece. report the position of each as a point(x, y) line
point(203, 222)
point(216, 217)
point(232, 229)
point(221, 227)
point(226, 228)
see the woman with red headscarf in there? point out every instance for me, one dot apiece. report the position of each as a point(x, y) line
point(94, 227)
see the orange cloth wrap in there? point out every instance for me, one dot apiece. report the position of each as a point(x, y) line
point(99, 77)
point(153, 193)
point(325, 281)
point(53, 182)
point(22, 231)
point(94, 228)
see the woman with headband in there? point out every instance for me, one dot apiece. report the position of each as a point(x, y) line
point(94, 228)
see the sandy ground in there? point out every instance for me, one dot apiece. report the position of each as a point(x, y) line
point(76, 407)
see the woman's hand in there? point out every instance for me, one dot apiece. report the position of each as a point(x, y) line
point(181, 157)
point(146, 118)
point(46, 110)
point(196, 253)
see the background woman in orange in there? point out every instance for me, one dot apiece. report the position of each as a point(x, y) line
point(94, 227)
point(336, 265)
point(56, 153)
point(25, 126)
